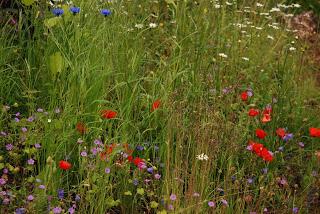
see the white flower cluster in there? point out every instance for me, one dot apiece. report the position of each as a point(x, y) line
point(202, 157)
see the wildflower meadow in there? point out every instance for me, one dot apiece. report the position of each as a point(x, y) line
point(157, 106)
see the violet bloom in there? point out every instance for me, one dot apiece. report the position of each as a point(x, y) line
point(6, 201)
point(170, 207)
point(157, 176)
point(71, 210)
point(288, 137)
point(31, 119)
point(173, 197)
point(5, 171)
point(77, 198)
point(84, 154)
point(3, 193)
point(135, 182)
point(250, 180)
point(250, 92)
point(57, 210)
point(211, 204)
point(17, 119)
point(107, 170)
point(39, 110)
point(42, 186)
point(295, 210)
point(264, 170)
point(30, 161)
point(97, 142)
point(19, 211)
point(150, 170)
point(30, 198)
point(17, 114)
point(2, 133)
point(140, 148)
point(37, 146)
point(94, 151)
point(224, 202)
point(24, 129)
point(9, 147)
point(301, 144)
point(60, 193)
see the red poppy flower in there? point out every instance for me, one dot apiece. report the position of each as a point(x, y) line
point(137, 161)
point(65, 165)
point(155, 105)
point(244, 96)
point(267, 110)
point(108, 114)
point(81, 128)
point(281, 132)
point(266, 118)
point(266, 155)
point(253, 112)
point(314, 132)
point(257, 147)
point(260, 133)
point(130, 158)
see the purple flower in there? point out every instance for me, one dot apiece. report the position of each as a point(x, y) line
point(57, 210)
point(301, 144)
point(249, 148)
point(288, 137)
point(5, 171)
point(211, 204)
point(250, 92)
point(173, 197)
point(31, 119)
point(264, 170)
point(107, 170)
point(77, 198)
point(6, 201)
point(71, 210)
point(9, 147)
point(124, 155)
point(30, 161)
point(97, 142)
point(60, 193)
point(140, 148)
point(16, 119)
point(3, 193)
point(295, 210)
point(42, 186)
point(135, 182)
point(281, 148)
point(84, 154)
point(24, 129)
point(30, 198)
point(224, 202)
point(150, 170)
point(94, 150)
point(157, 176)
point(170, 207)
point(39, 110)
point(2, 133)
point(250, 180)
point(19, 211)
point(37, 146)
point(17, 114)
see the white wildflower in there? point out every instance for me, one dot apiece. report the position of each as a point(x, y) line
point(202, 157)
point(245, 58)
point(270, 37)
point(292, 49)
point(223, 55)
point(153, 25)
point(259, 4)
point(139, 26)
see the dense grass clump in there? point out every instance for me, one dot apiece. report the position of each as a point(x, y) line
point(157, 107)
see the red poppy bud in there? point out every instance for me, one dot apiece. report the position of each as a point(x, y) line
point(260, 133)
point(281, 132)
point(65, 165)
point(155, 105)
point(314, 132)
point(253, 112)
point(108, 114)
point(244, 96)
point(81, 128)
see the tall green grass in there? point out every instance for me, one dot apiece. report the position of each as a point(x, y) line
point(85, 63)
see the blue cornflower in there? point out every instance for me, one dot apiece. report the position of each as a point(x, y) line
point(150, 170)
point(75, 10)
point(105, 12)
point(140, 148)
point(288, 137)
point(20, 211)
point(60, 193)
point(57, 11)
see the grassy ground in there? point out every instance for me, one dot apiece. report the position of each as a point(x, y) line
point(131, 100)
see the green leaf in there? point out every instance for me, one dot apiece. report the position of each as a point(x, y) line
point(49, 23)
point(56, 63)
point(27, 2)
point(1, 165)
point(154, 204)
